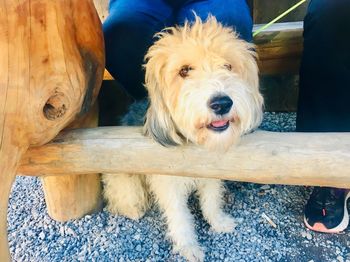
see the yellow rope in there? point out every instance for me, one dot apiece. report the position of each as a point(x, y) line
point(278, 17)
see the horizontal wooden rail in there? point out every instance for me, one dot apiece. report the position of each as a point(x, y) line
point(263, 157)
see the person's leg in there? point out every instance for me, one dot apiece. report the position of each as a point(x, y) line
point(325, 69)
point(128, 33)
point(234, 13)
point(323, 99)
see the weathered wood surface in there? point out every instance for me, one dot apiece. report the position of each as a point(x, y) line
point(261, 157)
point(73, 196)
point(279, 48)
point(51, 65)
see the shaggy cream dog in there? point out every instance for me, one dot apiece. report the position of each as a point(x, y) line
point(203, 89)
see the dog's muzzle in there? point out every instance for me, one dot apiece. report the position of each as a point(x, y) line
point(220, 105)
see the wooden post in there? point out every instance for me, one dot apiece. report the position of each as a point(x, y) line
point(10, 155)
point(73, 196)
point(51, 68)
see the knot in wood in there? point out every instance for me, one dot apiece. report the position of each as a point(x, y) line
point(56, 106)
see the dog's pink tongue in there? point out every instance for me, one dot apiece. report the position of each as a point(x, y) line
point(219, 123)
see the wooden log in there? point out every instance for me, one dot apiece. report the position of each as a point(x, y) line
point(262, 157)
point(73, 196)
point(51, 65)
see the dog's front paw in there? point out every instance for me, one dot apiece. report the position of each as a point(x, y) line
point(224, 224)
point(192, 253)
point(134, 212)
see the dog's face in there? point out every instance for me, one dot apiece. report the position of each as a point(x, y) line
point(203, 86)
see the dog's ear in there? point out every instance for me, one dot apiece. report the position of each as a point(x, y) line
point(251, 74)
point(159, 124)
point(246, 66)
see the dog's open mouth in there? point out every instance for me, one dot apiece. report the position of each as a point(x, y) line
point(219, 126)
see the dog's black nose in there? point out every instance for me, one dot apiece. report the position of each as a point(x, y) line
point(220, 104)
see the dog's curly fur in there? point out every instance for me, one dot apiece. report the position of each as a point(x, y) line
point(186, 67)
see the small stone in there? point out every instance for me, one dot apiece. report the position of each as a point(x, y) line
point(155, 246)
point(308, 236)
point(70, 231)
point(35, 214)
point(30, 233)
point(42, 235)
point(340, 259)
point(138, 248)
point(62, 231)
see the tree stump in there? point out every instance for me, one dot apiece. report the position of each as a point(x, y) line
point(51, 64)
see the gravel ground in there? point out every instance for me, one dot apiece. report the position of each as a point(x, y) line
point(33, 236)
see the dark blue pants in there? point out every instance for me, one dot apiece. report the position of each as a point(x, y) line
point(324, 94)
point(130, 27)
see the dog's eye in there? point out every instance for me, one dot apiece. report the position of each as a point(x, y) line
point(228, 67)
point(184, 71)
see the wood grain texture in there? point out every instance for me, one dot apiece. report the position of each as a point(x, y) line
point(52, 61)
point(280, 48)
point(73, 196)
point(262, 157)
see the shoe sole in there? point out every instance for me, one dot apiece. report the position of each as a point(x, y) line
point(319, 227)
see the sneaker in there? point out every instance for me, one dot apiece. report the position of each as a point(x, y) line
point(326, 211)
